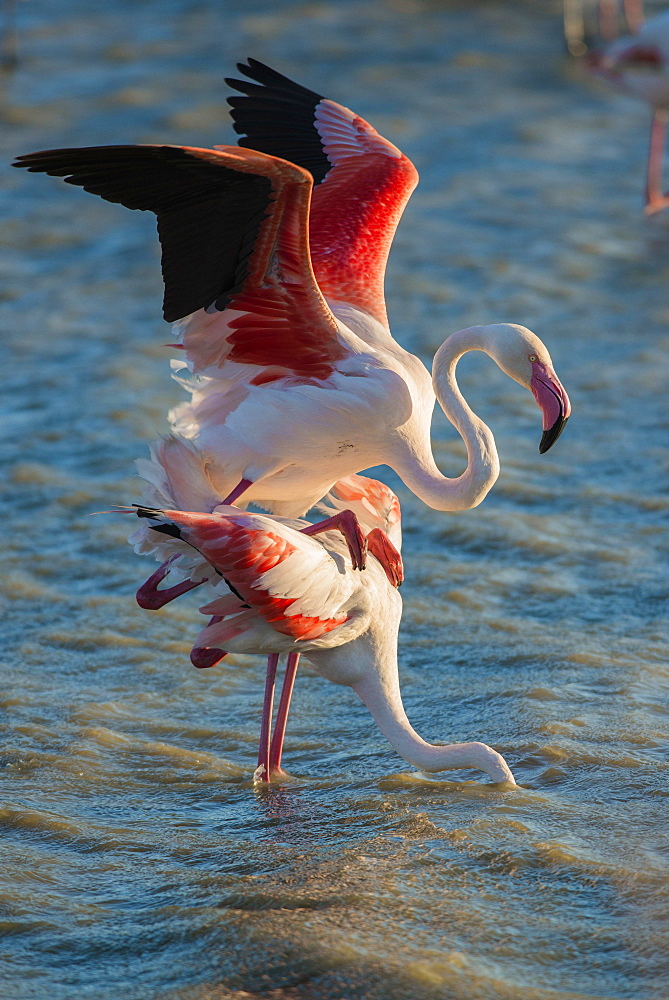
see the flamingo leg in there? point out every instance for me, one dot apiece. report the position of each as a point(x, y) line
point(276, 746)
point(608, 19)
point(380, 546)
point(149, 597)
point(240, 488)
point(574, 27)
point(655, 198)
point(633, 11)
point(262, 772)
point(346, 522)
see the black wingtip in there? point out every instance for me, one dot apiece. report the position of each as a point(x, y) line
point(153, 512)
point(143, 511)
point(276, 116)
point(167, 529)
point(264, 75)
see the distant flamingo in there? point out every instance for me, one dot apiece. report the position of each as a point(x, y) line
point(639, 65)
point(295, 379)
point(295, 594)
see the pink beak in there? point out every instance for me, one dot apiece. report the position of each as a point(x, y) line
point(553, 402)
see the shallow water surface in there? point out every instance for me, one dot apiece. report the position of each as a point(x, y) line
point(137, 858)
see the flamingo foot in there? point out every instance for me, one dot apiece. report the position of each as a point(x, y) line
point(206, 656)
point(241, 487)
point(380, 546)
point(276, 774)
point(346, 522)
point(149, 597)
point(656, 204)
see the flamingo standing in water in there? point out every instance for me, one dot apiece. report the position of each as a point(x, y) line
point(296, 381)
point(639, 65)
point(174, 479)
point(294, 594)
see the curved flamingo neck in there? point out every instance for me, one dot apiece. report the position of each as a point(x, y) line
point(423, 476)
point(381, 694)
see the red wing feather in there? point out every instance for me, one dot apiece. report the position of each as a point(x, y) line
point(362, 181)
point(243, 553)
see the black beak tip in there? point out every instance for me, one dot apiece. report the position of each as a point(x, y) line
point(550, 436)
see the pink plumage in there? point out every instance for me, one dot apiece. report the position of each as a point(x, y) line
point(274, 255)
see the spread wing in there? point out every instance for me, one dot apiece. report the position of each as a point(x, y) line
point(289, 579)
point(362, 181)
point(233, 227)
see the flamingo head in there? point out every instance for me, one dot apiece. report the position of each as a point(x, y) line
point(525, 359)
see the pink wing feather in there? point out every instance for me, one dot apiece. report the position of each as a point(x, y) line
point(253, 553)
point(356, 210)
point(362, 181)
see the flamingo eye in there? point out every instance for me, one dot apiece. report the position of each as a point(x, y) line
point(533, 357)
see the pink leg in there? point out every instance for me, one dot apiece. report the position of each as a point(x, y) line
point(262, 772)
point(148, 595)
point(608, 19)
point(240, 488)
point(655, 198)
point(347, 523)
point(633, 11)
point(380, 546)
point(276, 746)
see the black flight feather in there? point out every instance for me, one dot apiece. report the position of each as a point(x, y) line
point(276, 116)
point(208, 214)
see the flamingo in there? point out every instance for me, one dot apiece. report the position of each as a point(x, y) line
point(295, 379)
point(296, 594)
point(639, 65)
point(174, 478)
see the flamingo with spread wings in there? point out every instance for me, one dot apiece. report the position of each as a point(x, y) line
point(287, 592)
point(295, 379)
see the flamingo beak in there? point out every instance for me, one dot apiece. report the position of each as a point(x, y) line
point(553, 402)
